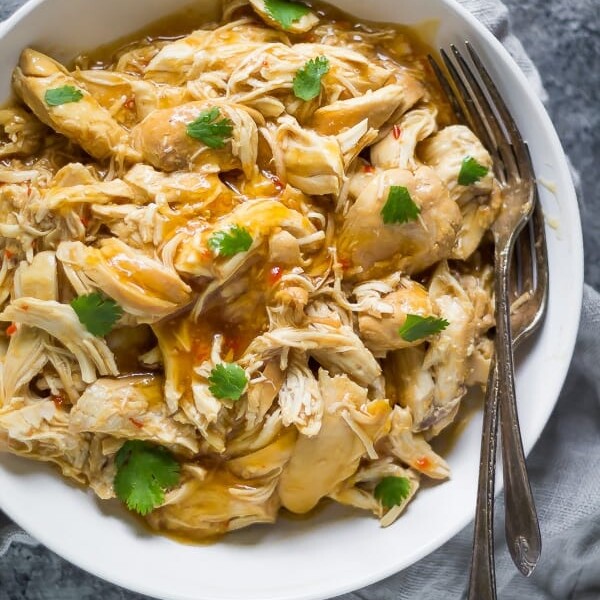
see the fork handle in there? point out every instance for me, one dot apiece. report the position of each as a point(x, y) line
point(482, 580)
point(522, 529)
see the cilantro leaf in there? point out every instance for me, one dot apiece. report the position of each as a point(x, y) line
point(416, 327)
point(229, 242)
point(399, 206)
point(471, 171)
point(97, 312)
point(284, 12)
point(228, 381)
point(207, 129)
point(144, 473)
point(307, 82)
point(391, 491)
point(62, 95)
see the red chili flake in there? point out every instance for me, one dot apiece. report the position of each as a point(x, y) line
point(279, 185)
point(367, 168)
point(137, 423)
point(11, 329)
point(8, 254)
point(58, 400)
point(423, 462)
point(130, 103)
point(396, 132)
point(232, 344)
point(274, 275)
point(344, 263)
point(84, 221)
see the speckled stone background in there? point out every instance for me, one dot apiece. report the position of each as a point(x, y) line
point(563, 38)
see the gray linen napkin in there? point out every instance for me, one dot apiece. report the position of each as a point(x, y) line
point(564, 465)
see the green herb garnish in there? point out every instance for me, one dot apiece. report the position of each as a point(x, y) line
point(145, 472)
point(228, 381)
point(392, 491)
point(284, 12)
point(416, 327)
point(62, 95)
point(97, 313)
point(209, 130)
point(471, 171)
point(399, 207)
point(229, 242)
point(307, 82)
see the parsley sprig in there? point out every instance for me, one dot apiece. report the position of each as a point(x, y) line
point(399, 206)
point(144, 473)
point(286, 13)
point(471, 171)
point(229, 242)
point(209, 130)
point(62, 95)
point(392, 491)
point(417, 327)
point(97, 313)
point(307, 82)
point(228, 381)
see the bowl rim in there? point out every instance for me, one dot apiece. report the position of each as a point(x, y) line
point(569, 339)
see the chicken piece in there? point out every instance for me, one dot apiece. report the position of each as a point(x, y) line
point(358, 490)
point(260, 218)
point(305, 21)
point(337, 348)
point(284, 249)
point(380, 331)
point(264, 80)
point(371, 247)
point(24, 359)
point(445, 152)
point(131, 408)
point(397, 148)
point(144, 287)
point(61, 321)
point(181, 187)
point(380, 107)
point(310, 162)
point(100, 192)
point(411, 448)
point(213, 502)
point(267, 461)
point(85, 121)
point(100, 468)
point(117, 92)
point(38, 279)
point(320, 463)
point(163, 141)
point(300, 397)
point(479, 202)
point(21, 134)
point(478, 216)
point(432, 383)
point(37, 429)
point(218, 50)
point(263, 391)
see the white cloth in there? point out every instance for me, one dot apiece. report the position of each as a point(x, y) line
point(564, 466)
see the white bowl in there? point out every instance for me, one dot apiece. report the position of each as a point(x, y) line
point(337, 550)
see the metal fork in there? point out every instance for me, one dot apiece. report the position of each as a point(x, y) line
point(486, 113)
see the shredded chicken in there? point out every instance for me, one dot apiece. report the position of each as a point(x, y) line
point(251, 249)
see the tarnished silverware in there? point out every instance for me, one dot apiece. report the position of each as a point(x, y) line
point(521, 295)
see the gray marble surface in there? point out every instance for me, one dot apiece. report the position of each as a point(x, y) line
point(563, 38)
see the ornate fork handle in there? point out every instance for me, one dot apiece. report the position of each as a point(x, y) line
point(482, 583)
